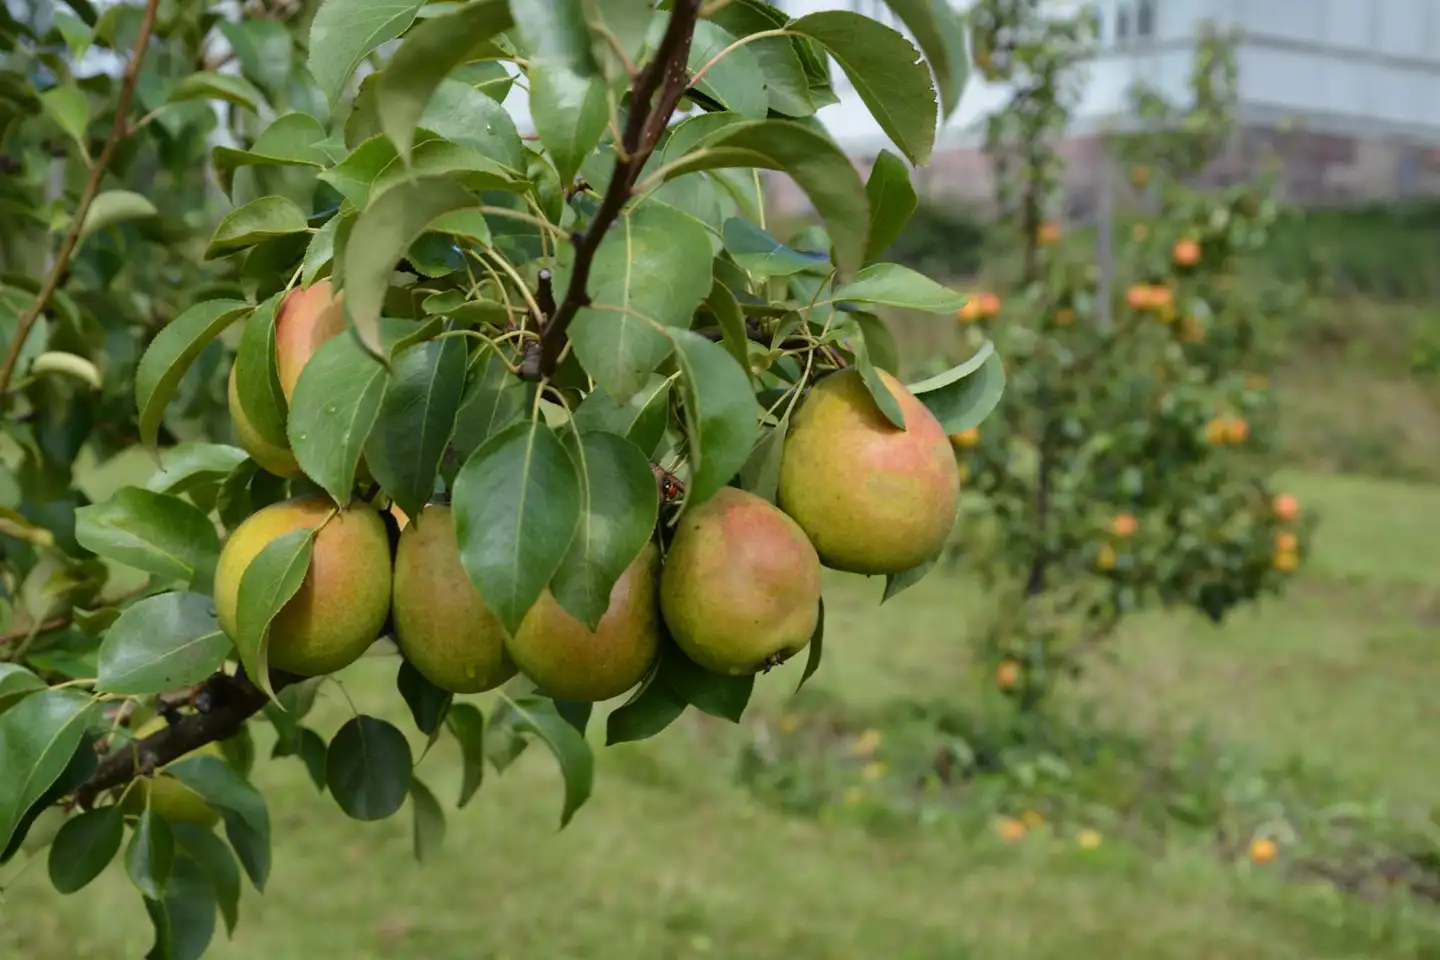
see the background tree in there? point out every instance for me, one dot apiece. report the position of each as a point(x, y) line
point(512, 405)
point(1134, 469)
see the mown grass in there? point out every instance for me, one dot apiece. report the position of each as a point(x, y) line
point(673, 859)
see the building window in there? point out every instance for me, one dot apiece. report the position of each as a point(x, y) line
point(1145, 19)
point(1122, 22)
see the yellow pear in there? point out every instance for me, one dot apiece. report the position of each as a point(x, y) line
point(871, 497)
point(442, 624)
point(344, 600)
point(740, 589)
point(168, 797)
point(273, 459)
point(567, 660)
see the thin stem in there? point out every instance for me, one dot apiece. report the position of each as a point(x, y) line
point(749, 38)
point(654, 95)
point(519, 282)
point(118, 132)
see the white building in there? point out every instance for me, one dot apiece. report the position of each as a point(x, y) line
point(1357, 82)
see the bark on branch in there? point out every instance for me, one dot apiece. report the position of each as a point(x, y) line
point(223, 703)
point(653, 98)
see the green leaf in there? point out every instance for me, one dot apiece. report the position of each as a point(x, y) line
point(897, 583)
point(735, 81)
point(272, 578)
point(426, 57)
point(154, 532)
point(184, 920)
point(878, 341)
point(895, 286)
point(716, 694)
point(517, 505)
point(209, 85)
point(344, 32)
point(641, 419)
point(115, 206)
point(618, 511)
point(429, 832)
point(222, 787)
point(264, 48)
point(252, 849)
point(812, 160)
point(963, 396)
point(336, 402)
point(886, 71)
point(84, 847)
point(428, 703)
point(816, 648)
point(416, 420)
point(649, 710)
point(67, 106)
point(762, 256)
point(368, 768)
point(539, 716)
point(892, 201)
point(720, 414)
point(187, 465)
point(321, 251)
point(939, 30)
point(170, 354)
point(555, 31)
point(291, 140)
point(209, 853)
point(150, 855)
point(16, 683)
point(494, 399)
point(257, 375)
point(777, 58)
point(652, 268)
point(468, 118)
point(258, 220)
point(467, 725)
point(161, 643)
point(723, 305)
point(570, 112)
point(884, 399)
point(393, 221)
point(78, 36)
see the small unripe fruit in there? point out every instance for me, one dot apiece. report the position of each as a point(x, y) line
point(740, 589)
point(442, 623)
point(343, 601)
point(1287, 542)
point(1105, 557)
point(168, 797)
point(1286, 561)
point(271, 458)
point(567, 660)
point(871, 497)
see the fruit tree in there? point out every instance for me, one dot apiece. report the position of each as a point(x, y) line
point(1128, 464)
point(547, 414)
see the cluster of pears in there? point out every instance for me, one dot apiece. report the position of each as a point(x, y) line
point(738, 588)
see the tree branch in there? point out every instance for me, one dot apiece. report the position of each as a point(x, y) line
point(63, 620)
point(663, 81)
point(118, 131)
point(223, 703)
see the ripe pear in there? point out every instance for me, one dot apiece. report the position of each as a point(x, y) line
point(273, 459)
point(442, 624)
point(343, 601)
point(872, 498)
point(305, 319)
point(567, 660)
point(740, 589)
point(168, 797)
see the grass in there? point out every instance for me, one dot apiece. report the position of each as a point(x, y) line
point(672, 859)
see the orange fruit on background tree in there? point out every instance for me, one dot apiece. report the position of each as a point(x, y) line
point(1124, 525)
point(971, 312)
point(1286, 561)
point(966, 439)
point(1007, 674)
point(1049, 234)
point(1186, 253)
point(1263, 850)
point(1237, 430)
point(1286, 507)
point(989, 304)
point(1287, 542)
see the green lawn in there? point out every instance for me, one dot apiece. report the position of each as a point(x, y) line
point(671, 859)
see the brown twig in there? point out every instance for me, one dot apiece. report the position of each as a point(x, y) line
point(663, 81)
point(118, 131)
point(228, 702)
